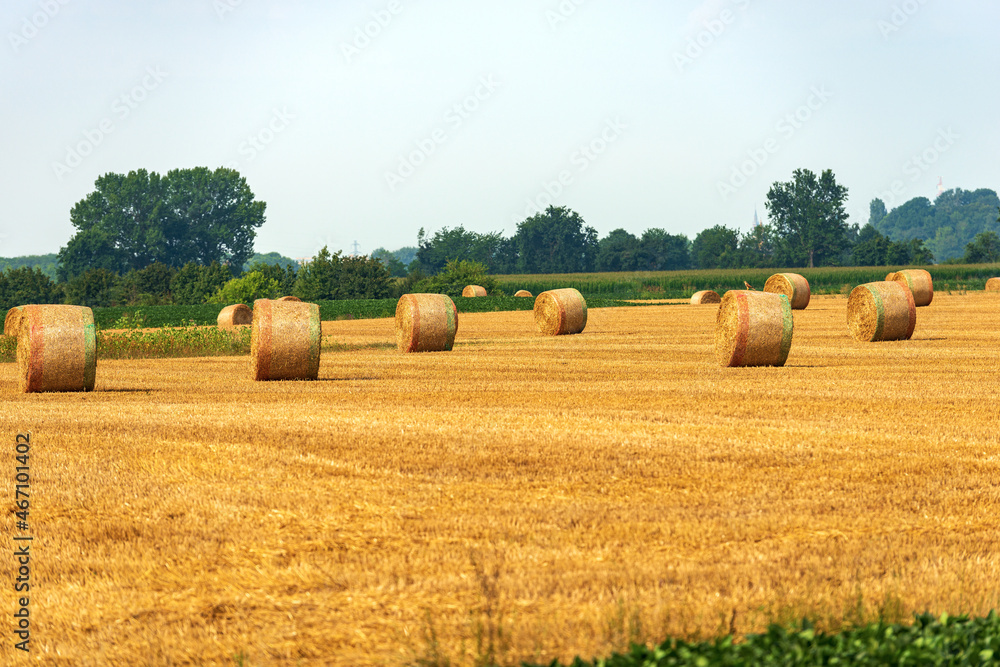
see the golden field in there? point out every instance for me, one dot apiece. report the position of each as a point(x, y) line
point(523, 497)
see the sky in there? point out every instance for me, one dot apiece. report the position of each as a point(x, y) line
point(363, 122)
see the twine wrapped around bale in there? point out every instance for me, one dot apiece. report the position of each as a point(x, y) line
point(474, 290)
point(523, 292)
point(992, 285)
point(918, 281)
point(792, 285)
point(284, 340)
point(881, 311)
point(426, 323)
point(56, 349)
point(705, 296)
point(232, 316)
point(289, 298)
point(753, 329)
point(561, 311)
point(12, 323)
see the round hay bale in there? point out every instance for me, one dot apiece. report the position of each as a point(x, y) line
point(523, 292)
point(753, 329)
point(561, 311)
point(289, 298)
point(918, 281)
point(12, 323)
point(56, 349)
point(881, 311)
point(231, 316)
point(705, 296)
point(992, 285)
point(792, 285)
point(284, 340)
point(426, 323)
point(474, 290)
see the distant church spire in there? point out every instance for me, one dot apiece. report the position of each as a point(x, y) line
point(756, 220)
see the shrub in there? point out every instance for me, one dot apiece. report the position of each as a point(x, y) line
point(27, 285)
point(94, 288)
point(194, 283)
point(455, 276)
point(246, 289)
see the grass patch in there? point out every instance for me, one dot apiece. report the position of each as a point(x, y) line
point(946, 640)
point(188, 341)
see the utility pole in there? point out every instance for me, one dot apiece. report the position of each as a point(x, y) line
point(355, 246)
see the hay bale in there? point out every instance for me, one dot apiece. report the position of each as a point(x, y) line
point(792, 285)
point(705, 296)
point(474, 290)
point(284, 340)
point(917, 281)
point(753, 329)
point(992, 285)
point(881, 311)
point(523, 292)
point(561, 311)
point(289, 298)
point(56, 349)
point(12, 323)
point(426, 323)
point(231, 316)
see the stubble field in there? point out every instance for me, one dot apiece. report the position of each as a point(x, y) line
point(519, 498)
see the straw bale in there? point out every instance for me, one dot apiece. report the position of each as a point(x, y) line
point(705, 296)
point(523, 292)
point(474, 290)
point(881, 311)
point(917, 281)
point(561, 311)
point(753, 329)
point(231, 316)
point(426, 323)
point(792, 285)
point(12, 323)
point(56, 349)
point(993, 285)
point(284, 340)
point(289, 298)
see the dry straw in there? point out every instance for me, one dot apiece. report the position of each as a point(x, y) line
point(705, 296)
point(918, 281)
point(284, 340)
point(753, 329)
point(231, 316)
point(881, 311)
point(289, 298)
point(523, 292)
point(426, 323)
point(12, 323)
point(992, 285)
point(56, 349)
point(474, 290)
point(561, 311)
point(792, 285)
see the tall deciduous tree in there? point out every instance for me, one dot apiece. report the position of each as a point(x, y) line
point(556, 241)
point(716, 248)
point(809, 218)
point(133, 220)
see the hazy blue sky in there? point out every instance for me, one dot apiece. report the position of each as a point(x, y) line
point(364, 121)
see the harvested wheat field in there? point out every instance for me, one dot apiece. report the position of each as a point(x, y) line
point(525, 496)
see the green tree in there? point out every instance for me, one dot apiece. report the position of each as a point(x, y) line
point(871, 247)
point(456, 275)
point(949, 224)
point(194, 283)
point(984, 249)
point(490, 249)
point(271, 258)
point(756, 247)
point(809, 219)
point(26, 285)
point(876, 212)
point(660, 251)
point(94, 288)
point(48, 264)
point(284, 274)
point(556, 241)
point(396, 268)
point(132, 220)
point(618, 251)
point(717, 247)
point(147, 286)
point(330, 276)
point(247, 289)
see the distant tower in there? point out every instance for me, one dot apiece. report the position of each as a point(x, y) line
point(355, 246)
point(940, 186)
point(756, 220)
